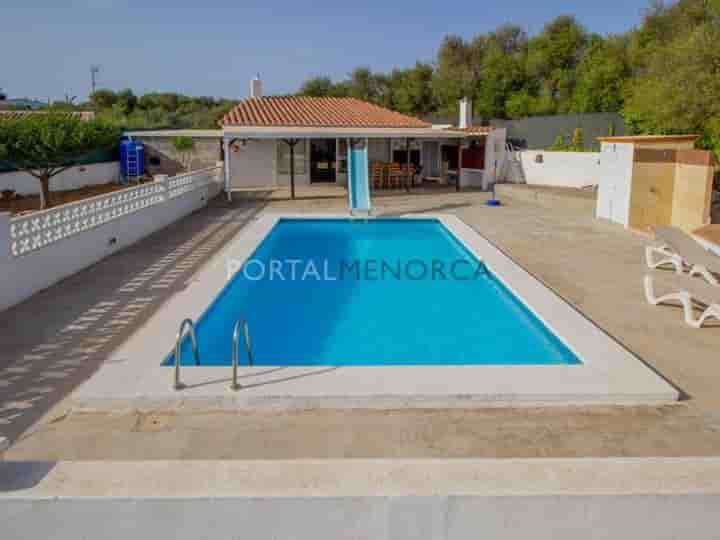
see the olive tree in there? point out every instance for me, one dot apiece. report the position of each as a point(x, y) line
point(44, 145)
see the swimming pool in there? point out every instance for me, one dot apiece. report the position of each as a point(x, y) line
point(378, 292)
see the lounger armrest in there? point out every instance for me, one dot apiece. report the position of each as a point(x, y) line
point(657, 256)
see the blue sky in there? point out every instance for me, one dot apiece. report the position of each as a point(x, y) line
point(214, 47)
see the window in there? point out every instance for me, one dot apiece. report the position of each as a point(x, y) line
point(283, 157)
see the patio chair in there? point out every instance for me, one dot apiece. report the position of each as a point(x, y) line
point(395, 175)
point(377, 175)
point(409, 174)
point(680, 250)
point(688, 292)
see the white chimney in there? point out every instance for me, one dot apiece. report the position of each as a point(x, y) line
point(466, 113)
point(256, 87)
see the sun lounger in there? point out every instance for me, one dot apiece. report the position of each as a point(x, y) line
point(688, 292)
point(681, 250)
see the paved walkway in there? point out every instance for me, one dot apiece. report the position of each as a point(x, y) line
point(56, 339)
point(596, 266)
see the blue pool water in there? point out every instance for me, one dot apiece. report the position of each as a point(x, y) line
point(383, 311)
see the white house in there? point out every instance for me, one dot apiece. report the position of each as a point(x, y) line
point(263, 135)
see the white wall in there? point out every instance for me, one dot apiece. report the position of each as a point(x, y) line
point(562, 169)
point(27, 273)
point(73, 178)
point(300, 178)
point(253, 165)
point(615, 176)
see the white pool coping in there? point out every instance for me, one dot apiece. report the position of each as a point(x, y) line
point(133, 376)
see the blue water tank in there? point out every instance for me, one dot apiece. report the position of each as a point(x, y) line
point(132, 159)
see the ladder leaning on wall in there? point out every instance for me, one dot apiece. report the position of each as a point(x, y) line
point(512, 170)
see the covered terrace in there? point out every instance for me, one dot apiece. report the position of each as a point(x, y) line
point(278, 142)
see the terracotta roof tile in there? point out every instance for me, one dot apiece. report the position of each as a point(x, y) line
point(297, 111)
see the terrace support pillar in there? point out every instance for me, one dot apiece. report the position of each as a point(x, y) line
point(407, 165)
point(459, 167)
point(226, 159)
point(291, 143)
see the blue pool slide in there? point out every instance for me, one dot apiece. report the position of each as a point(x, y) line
point(358, 178)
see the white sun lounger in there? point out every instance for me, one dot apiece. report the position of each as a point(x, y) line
point(682, 251)
point(688, 292)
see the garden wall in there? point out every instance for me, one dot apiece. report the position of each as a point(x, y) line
point(41, 248)
point(162, 158)
point(73, 178)
point(561, 169)
point(541, 131)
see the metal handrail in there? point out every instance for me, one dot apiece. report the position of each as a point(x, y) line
point(236, 352)
point(178, 350)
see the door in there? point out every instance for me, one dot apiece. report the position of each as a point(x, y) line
point(322, 160)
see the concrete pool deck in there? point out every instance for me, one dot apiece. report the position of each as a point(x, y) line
point(133, 376)
point(594, 265)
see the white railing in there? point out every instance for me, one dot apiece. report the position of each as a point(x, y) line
point(187, 182)
point(39, 229)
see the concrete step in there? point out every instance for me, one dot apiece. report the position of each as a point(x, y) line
point(381, 499)
point(580, 199)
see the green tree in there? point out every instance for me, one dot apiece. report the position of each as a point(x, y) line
point(168, 101)
point(602, 76)
point(126, 101)
point(44, 145)
point(413, 93)
point(103, 99)
point(501, 72)
point(362, 84)
point(553, 56)
point(149, 101)
point(678, 88)
point(321, 86)
point(454, 76)
point(519, 104)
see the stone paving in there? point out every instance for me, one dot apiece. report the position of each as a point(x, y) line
point(594, 265)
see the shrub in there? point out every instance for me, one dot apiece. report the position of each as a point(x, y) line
point(185, 147)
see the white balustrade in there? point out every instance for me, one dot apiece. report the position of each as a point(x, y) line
point(39, 229)
point(184, 183)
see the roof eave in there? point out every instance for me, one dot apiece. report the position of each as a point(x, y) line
point(280, 132)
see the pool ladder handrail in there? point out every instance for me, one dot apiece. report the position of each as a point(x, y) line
point(178, 350)
point(241, 324)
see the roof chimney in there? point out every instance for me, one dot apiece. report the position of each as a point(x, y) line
point(466, 113)
point(256, 87)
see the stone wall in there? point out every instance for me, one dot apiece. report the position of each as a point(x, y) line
point(162, 158)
